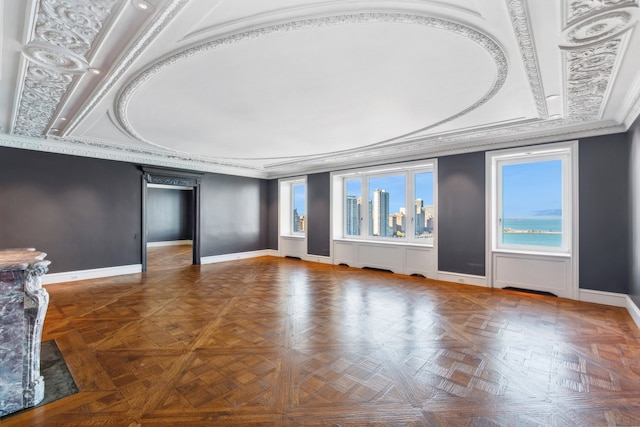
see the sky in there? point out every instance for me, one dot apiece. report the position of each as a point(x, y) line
point(396, 187)
point(532, 190)
point(299, 195)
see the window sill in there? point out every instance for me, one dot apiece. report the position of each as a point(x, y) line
point(384, 242)
point(532, 253)
point(293, 236)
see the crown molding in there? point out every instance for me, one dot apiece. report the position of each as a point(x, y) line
point(518, 11)
point(109, 151)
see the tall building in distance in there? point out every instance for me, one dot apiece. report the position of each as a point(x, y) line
point(353, 216)
point(380, 213)
point(298, 222)
point(420, 220)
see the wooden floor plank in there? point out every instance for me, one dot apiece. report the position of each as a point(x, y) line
point(272, 341)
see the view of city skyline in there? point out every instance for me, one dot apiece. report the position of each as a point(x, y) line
point(387, 210)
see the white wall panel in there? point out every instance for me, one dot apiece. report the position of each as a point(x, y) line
point(293, 246)
point(537, 272)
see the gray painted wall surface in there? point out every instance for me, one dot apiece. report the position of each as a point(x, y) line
point(634, 191)
point(604, 213)
point(272, 232)
point(319, 214)
point(169, 214)
point(235, 212)
point(84, 213)
point(461, 214)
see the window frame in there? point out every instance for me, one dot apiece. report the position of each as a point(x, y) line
point(408, 170)
point(526, 155)
point(287, 204)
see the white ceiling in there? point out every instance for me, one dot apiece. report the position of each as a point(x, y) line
point(284, 87)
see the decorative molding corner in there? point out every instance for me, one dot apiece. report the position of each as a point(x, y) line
point(592, 45)
point(97, 273)
point(486, 42)
point(61, 39)
point(163, 19)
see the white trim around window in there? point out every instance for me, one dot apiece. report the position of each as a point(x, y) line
point(354, 219)
point(287, 205)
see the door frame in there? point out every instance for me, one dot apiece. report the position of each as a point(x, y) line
point(180, 178)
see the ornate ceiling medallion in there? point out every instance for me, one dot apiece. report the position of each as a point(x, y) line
point(484, 41)
point(602, 27)
point(592, 46)
point(54, 57)
point(61, 41)
point(580, 9)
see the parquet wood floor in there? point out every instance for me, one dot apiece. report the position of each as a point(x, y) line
point(273, 341)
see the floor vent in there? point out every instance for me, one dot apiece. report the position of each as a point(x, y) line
point(377, 269)
point(419, 275)
point(293, 257)
point(530, 291)
point(343, 264)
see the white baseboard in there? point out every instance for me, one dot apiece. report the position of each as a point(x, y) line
point(465, 279)
point(614, 299)
point(317, 258)
point(600, 297)
point(633, 310)
point(96, 273)
point(239, 255)
point(169, 243)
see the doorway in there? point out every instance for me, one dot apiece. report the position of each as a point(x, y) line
point(179, 191)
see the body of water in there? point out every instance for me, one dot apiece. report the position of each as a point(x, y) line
point(548, 231)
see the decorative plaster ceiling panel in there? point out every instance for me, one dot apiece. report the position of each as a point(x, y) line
point(314, 86)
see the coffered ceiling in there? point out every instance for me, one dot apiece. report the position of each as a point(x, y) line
point(283, 87)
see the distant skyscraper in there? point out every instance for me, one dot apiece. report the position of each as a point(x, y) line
point(420, 220)
point(296, 222)
point(353, 216)
point(380, 213)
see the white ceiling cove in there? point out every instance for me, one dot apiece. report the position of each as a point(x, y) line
point(284, 87)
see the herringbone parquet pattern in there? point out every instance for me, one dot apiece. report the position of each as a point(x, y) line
point(274, 341)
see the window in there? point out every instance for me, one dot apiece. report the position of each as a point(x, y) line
point(299, 201)
point(387, 206)
point(293, 207)
point(532, 209)
point(393, 204)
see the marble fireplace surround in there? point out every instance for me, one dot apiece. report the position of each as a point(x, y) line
point(23, 306)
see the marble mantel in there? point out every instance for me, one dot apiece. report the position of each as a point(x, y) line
point(23, 306)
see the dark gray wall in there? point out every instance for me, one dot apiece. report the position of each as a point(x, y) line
point(272, 232)
point(461, 213)
point(169, 214)
point(235, 213)
point(634, 198)
point(84, 213)
point(319, 214)
point(604, 213)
